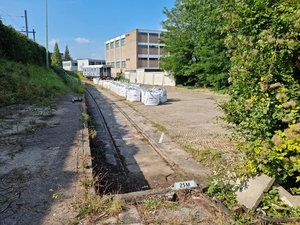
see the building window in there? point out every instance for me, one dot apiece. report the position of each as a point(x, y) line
point(113, 65)
point(153, 34)
point(107, 46)
point(123, 42)
point(143, 33)
point(143, 46)
point(142, 62)
point(143, 49)
point(117, 43)
point(117, 64)
point(123, 64)
point(112, 45)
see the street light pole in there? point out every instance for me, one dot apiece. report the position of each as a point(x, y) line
point(47, 55)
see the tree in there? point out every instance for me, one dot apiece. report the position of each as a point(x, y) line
point(264, 110)
point(56, 59)
point(67, 54)
point(195, 43)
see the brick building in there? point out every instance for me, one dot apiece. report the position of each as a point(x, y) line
point(137, 49)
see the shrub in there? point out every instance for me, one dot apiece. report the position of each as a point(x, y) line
point(263, 112)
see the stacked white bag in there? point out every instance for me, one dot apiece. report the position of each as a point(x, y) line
point(163, 94)
point(133, 95)
point(151, 97)
point(95, 80)
point(136, 92)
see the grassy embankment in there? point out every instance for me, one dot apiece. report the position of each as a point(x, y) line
point(30, 84)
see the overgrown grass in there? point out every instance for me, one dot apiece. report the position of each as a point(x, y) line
point(20, 83)
point(71, 79)
point(93, 207)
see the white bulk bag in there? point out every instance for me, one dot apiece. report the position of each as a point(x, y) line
point(100, 82)
point(143, 94)
point(163, 94)
point(95, 80)
point(152, 98)
point(133, 95)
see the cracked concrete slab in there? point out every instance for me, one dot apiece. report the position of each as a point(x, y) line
point(251, 191)
point(287, 198)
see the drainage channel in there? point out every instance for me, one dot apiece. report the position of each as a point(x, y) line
point(124, 158)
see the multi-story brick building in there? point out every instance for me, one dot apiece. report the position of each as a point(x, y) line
point(137, 49)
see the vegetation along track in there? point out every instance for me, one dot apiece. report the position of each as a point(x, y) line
point(125, 159)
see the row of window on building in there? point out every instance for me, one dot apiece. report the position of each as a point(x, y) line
point(142, 37)
point(141, 61)
point(117, 64)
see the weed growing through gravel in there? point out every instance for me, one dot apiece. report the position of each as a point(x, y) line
point(86, 182)
point(3, 200)
point(212, 159)
point(95, 207)
point(90, 206)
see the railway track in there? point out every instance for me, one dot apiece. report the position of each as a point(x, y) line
point(129, 161)
point(131, 155)
point(138, 155)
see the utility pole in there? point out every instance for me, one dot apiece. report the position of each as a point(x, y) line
point(47, 55)
point(26, 27)
point(26, 23)
point(33, 32)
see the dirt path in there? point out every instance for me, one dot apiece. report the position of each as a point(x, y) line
point(39, 156)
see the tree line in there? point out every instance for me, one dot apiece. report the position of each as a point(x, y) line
point(56, 58)
point(251, 48)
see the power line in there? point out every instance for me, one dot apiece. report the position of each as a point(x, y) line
point(10, 16)
point(26, 24)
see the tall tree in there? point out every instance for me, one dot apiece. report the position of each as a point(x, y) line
point(178, 44)
point(67, 54)
point(264, 42)
point(56, 59)
point(195, 43)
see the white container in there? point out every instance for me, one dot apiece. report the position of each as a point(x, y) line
point(163, 94)
point(133, 95)
point(152, 98)
point(95, 80)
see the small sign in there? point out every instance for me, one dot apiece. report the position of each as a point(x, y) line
point(184, 184)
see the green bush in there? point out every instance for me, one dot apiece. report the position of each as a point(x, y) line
point(264, 43)
point(15, 46)
point(71, 79)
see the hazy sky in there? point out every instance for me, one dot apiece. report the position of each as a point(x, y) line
point(83, 25)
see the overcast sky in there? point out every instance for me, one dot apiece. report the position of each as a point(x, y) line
point(83, 25)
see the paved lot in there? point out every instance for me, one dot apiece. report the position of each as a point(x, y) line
point(190, 118)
